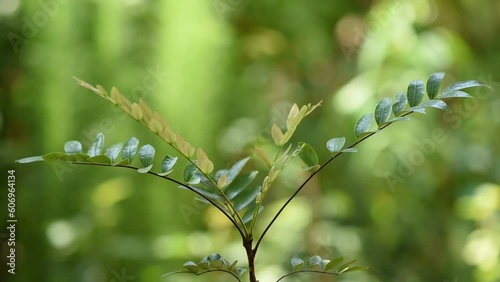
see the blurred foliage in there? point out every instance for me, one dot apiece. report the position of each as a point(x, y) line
point(222, 71)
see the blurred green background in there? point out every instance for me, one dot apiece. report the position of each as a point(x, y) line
point(419, 202)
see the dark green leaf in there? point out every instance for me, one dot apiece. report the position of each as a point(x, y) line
point(363, 125)
point(461, 85)
point(130, 149)
point(438, 104)
point(345, 266)
point(415, 92)
point(30, 160)
point(396, 119)
point(245, 197)
point(315, 261)
point(250, 213)
point(308, 156)
point(191, 266)
point(383, 111)
point(96, 147)
point(52, 157)
point(100, 159)
point(433, 84)
point(356, 268)
point(113, 151)
point(400, 103)
point(145, 169)
point(335, 145)
point(190, 175)
point(205, 192)
point(332, 264)
point(297, 263)
point(239, 184)
point(124, 162)
point(73, 147)
point(216, 261)
point(324, 264)
point(167, 164)
point(236, 169)
point(417, 109)
point(204, 263)
point(147, 155)
point(239, 271)
point(455, 94)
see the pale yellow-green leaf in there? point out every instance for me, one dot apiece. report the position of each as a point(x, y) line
point(294, 111)
point(115, 95)
point(282, 156)
point(263, 156)
point(288, 135)
point(222, 181)
point(88, 86)
point(265, 184)
point(201, 156)
point(136, 111)
point(168, 135)
point(125, 104)
point(258, 199)
point(207, 166)
point(276, 134)
point(102, 91)
point(155, 126)
point(147, 113)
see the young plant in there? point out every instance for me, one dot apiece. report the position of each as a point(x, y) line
point(231, 191)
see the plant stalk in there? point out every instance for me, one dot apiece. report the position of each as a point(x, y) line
point(251, 259)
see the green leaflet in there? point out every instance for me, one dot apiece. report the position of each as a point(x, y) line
point(308, 156)
point(433, 84)
point(363, 125)
point(113, 151)
point(415, 92)
point(335, 145)
point(73, 147)
point(96, 147)
point(130, 149)
point(383, 111)
point(239, 184)
point(167, 165)
point(400, 104)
